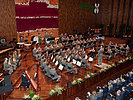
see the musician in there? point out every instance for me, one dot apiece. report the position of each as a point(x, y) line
point(22, 39)
point(42, 61)
point(116, 51)
point(102, 44)
point(45, 65)
point(100, 55)
point(47, 70)
point(116, 45)
point(39, 38)
point(34, 52)
point(68, 51)
point(63, 53)
point(80, 37)
point(60, 45)
point(55, 47)
point(71, 68)
point(72, 38)
point(83, 53)
point(25, 81)
point(121, 49)
point(64, 63)
point(16, 56)
point(50, 47)
point(46, 35)
point(127, 50)
point(65, 35)
point(54, 75)
point(36, 39)
point(13, 63)
point(92, 52)
point(85, 63)
point(76, 37)
point(45, 48)
point(51, 35)
point(5, 64)
point(110, 43)
point(109, 54)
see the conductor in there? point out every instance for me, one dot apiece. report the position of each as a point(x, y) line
point(100, 55)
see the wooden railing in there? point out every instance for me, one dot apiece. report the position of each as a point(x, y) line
point(86, 84)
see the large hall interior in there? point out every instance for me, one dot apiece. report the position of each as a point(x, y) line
point(66, 49)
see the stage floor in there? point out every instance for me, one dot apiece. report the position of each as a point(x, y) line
point(46, 84)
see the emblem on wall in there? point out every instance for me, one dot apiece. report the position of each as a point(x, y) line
point(96, 10)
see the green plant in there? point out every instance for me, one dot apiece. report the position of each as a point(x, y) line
point(31, 93)
point(36, 97)
point(31, 96)
point(52, 92)
point(58, 90)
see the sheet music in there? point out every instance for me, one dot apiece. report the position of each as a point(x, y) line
point(56, 63)
point(91, 59)
point(51, 57)
point(68, 59)
point(78, 63)
point(61, 67)
point(86, 56)
point(74, 61)
point(53, 60)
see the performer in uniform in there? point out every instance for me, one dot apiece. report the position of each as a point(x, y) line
point(100, 55)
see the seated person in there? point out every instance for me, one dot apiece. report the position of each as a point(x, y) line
point(71, 69)
point(22, 39)
point(5, 64)
point(93, 96)
point(92, 52)
point(45, 65)
point(47, 70)
point(54, 75)
point(127, 50)
point(25, 80)
point(64, 63)
point(100, 93)
point(85, 63)
point(121, 49)
point(110, 43)
point(109, 54)
point(34, 52)
point(51, 35)
point(116, 51)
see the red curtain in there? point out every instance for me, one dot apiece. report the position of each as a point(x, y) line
point(35, 9)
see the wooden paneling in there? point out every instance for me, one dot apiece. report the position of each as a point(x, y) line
point(7, 19)
point(126, 12)
point(106, 11)
point(71, 17)
point(131, 17)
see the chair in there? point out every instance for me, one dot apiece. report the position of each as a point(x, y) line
point(104, 95)
point(114, 88)
point(99, 98)
point(22, 85)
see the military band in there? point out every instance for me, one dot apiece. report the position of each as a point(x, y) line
point(69, 52)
